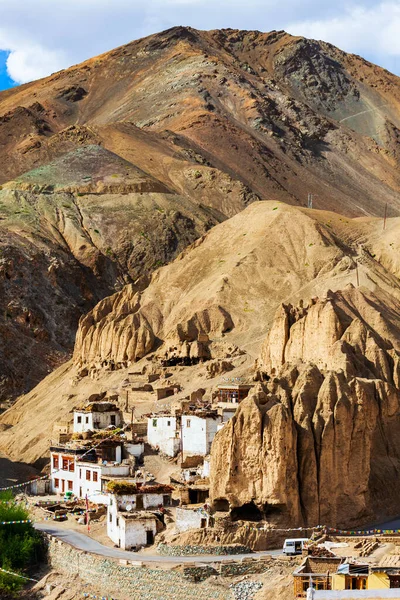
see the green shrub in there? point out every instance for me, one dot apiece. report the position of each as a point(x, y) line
point(20, 545)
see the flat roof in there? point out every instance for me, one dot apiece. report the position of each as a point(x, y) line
point(100, 407)
point(235, 386)
point(136, 516)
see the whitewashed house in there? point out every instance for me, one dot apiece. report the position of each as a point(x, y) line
point(97, 415)
point(76, 469)
point(63, 469)
point(192, 518)
point(163, 433)
point(130, 530)
point(135, 449)
point(89, 477)
point(129, 525)
point(198, 432)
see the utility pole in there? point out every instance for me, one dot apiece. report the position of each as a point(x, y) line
point(310, 199)
point(384, 220)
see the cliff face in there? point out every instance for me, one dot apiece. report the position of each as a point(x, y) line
point(316, 443)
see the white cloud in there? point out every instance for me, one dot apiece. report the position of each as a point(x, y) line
point(33, 62)
point(46, 35)
point(372, 32)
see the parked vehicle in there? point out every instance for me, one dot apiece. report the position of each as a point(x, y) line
point(294, 546)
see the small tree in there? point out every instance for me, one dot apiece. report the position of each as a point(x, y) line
point(20, 545)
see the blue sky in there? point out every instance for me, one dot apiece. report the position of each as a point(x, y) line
point(38, 37)
point(5, 79)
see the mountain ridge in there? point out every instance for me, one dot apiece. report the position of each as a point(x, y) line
point(214, 121)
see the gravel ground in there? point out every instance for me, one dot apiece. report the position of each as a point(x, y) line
point(245, 590)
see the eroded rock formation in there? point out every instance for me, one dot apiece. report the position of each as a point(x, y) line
point(317, 443)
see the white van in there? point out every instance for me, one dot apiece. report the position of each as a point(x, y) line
point(294, 546)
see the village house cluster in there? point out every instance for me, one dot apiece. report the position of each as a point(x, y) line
point(100, 461)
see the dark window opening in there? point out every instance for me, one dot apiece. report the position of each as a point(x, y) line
point(198, 496)
point(221, 504)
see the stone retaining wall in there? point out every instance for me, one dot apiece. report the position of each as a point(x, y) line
point(166, 550)
point(229, 568)
point(127, 581)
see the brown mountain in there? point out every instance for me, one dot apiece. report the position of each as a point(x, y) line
point(110, 168)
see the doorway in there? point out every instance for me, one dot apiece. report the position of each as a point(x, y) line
point(149, 538)
point(139, 502)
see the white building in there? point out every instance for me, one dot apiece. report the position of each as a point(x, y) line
point(135, 449)
point(201, 471)
point(97, 415)
point(163, 433)
point(62, 469)
point(198, 432)
point(89, 477)
point(70, 474)
point(130, 530)
point(191, 433)
point(128, 525)
point(191, 518)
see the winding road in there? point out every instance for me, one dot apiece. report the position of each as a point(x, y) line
point(84, 542)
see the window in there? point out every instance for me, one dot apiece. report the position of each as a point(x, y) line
point(71, 466)
point(57, 483)
point(80, 473)
point(70, 486)
point(110, 517)
point(169, 423)
point(117, 521)
point(187, 423)
point(113, 419)
point(87, 475)
point(95, 476)
point(87, 420)
point(79, 419)
point(65, 463)
point(154, 422)
point(55, 461)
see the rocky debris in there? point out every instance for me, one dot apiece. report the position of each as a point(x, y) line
point(218, 367)
point(245, 590)
point(74, 93)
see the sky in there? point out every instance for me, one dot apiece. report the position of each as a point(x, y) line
point(39, 37)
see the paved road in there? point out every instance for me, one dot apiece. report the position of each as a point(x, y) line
point(84, 542)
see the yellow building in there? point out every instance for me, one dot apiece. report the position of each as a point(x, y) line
point(386, 574)
point(336, 575)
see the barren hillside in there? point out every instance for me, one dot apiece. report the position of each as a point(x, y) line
point(112, 167)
